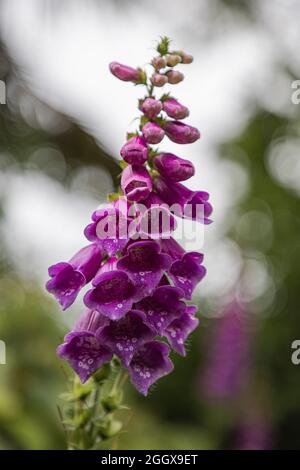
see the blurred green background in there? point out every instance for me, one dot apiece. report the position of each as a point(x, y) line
point(257, 404)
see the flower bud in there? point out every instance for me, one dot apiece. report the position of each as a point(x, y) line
point(136, 183)
point(173, 168)
point(181, 133)
point(173, 60)
point(174, 77)
point(124, 72)
point(158, 62)
point(158, 79)
point(187, 58)
point(151, 107)
point(153, 133)
point(174, 109)
point(135, 151)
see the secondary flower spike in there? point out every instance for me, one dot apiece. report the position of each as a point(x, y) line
point(136, 307)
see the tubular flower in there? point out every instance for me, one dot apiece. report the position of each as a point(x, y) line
point(174, 168)
point(174, 109)
point(181, 133)
point(153, 133)
point(140, 276)
point(67, 279)
point(136, 183)
point(135, 151)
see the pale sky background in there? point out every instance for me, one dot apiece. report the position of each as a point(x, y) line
point(63, 49)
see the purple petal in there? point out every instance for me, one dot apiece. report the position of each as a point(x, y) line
point(145, 265)
point(65, 285)
point(149, 364)
point(124, 337)
point(178, 331)
point(187, 272)
point(84, 353)
point(113, 294)
point(162, 307)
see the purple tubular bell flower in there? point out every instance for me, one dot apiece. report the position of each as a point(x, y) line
point(149, 364)
point(174, 109)
point(135, 151)
point(113, 294)
point(151, 107)
point(136, 183)
point(180, 328)
point(162, 307)
point(67, 279)
point(110, 228)
point(153, 133)
point(141, 278)
point(190, 204)
point(126, 336)
point(186, 270)
point(124, 72)
point(145, 265)
point(174, 168)
point(156, 221)
point(82, 348)
point(181, 133)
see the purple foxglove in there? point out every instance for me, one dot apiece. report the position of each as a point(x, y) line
point(124, 72)
point(159, 80)
point(151, 107)
point(124, 337)
point(162, 308)
point(181, 133)
point(136, 183)
point(82, 349)
point(228, 361)
point(145, 265)
point(187, 272)
point(149, 364)
point(189, 204)
point(174, 109)
point(156, 221)
point(135, 151)
point(179, 330)
point(113, 294)
point(110, 228)
point(68, 278)
point(174, 77)
point(153, 133)
point(174, 168)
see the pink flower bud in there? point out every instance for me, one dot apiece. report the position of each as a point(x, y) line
point(174, 109)
point(158, 62)
point(158, 79)
point(181, 133)
point(187, 58)
point(136, 183)
point(124, 72)
point(153, 133)
point(173, 60)
point(151, 107)
point(174, 77)
point(174, 168)
point(135, 151)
